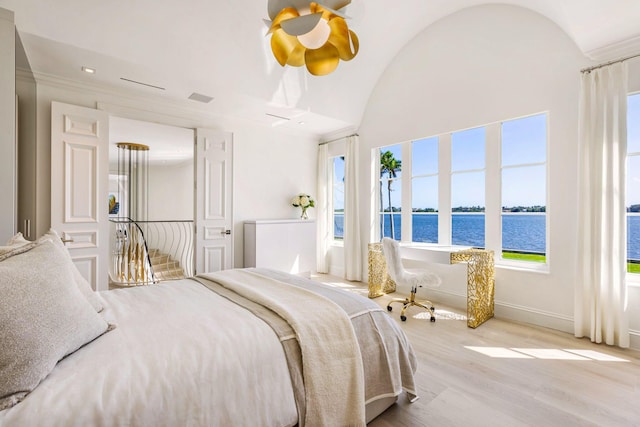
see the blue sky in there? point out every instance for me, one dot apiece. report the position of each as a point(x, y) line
point(523, 143)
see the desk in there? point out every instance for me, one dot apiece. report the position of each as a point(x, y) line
point(480, 274)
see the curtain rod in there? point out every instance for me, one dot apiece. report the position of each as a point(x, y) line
point(595, 67)
point(338, 139)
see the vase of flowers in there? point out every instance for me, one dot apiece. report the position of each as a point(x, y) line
point(304, 202)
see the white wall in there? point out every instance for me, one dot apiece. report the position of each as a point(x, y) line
point(481, 65)
point(270, 165)
point(8, 175)
point(267, 173)
point(171, 192)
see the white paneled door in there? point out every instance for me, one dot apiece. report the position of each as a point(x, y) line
point(79, 193)
point(214, 242)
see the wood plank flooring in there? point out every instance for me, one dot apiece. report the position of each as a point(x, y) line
point(509, 374)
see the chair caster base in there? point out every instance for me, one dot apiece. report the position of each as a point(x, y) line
point(389, 308)
point(403, 318)
point(433, 319)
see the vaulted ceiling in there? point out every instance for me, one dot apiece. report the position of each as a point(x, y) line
point(220, 49)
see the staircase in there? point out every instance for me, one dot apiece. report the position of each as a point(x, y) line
point(165, 267)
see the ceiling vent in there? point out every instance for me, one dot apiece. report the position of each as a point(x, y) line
point(143, 84)
point(200, 97)
point(277, 116)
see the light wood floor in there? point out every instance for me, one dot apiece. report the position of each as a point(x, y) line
point(509, 374)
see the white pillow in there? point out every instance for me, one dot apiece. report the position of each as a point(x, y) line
point(18, 242)
point(38, 328)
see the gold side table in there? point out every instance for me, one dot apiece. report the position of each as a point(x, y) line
point(480, 284)
point(379, 281)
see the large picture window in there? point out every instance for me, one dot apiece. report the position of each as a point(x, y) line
point(338, 198)
point(524, 188)
point(424, 190)
point(633, 183)
point(391, 191)
point(514, 178)
point(467, 187)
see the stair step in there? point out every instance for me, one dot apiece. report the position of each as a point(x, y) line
point(160, 259)
point(177, 273)
point(166, 266)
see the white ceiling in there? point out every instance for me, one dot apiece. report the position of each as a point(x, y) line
point(169, 145)
point(219, 48)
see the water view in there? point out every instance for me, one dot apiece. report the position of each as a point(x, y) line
point(520, 232)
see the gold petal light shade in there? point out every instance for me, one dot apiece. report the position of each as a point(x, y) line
point(311, 34)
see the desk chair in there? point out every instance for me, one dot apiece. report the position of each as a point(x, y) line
point(402, 276)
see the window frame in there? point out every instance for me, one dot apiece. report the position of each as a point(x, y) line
point(493, 191)
point(631, 278)
point(334, 240)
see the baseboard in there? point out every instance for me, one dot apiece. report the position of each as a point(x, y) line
point(518, 313)
point(542, 318)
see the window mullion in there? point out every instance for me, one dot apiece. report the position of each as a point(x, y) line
point(493, 188)
point(406, 208)
point(444, 189)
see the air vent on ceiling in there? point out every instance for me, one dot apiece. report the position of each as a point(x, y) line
point(278, 117)
point(143, 84)
point(200, 97)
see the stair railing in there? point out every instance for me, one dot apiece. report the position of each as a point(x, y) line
point(174, 238)
point(130, 262)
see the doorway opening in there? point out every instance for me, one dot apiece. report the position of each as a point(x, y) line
point(160, 245)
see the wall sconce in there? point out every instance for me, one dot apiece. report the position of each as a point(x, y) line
point(311, 34)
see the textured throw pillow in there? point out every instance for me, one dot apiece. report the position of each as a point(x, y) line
point(38, 328)
point(19, 241)
point(11, 250)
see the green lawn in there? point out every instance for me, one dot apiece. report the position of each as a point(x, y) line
point(524, 257)
point(631, 267)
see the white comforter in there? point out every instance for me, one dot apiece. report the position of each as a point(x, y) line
point(186, 355)
point(188, 365)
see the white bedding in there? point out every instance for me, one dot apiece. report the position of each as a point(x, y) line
point(185, 355)
point(179, 360)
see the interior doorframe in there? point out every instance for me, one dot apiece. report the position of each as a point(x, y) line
point(193, 120)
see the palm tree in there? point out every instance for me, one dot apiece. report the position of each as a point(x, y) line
point(389, 165)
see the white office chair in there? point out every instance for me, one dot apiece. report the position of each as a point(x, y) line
point(402, 276)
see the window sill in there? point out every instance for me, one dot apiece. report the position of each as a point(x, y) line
point(633, 279)
point(337, 243)
point(524, 266)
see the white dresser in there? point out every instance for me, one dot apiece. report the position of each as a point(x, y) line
point(286, 244)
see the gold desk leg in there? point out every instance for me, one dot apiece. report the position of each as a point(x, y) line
point(480, 284)
point(379, 281)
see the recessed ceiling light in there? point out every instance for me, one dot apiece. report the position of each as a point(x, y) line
point(89, 70)
point(300, 123)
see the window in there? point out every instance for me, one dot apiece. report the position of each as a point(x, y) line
point(467, 187)
point(338, 198)
point(524, 148)
point(633, 183)
point(502, 165)
point(424, 190)
point(391, 191)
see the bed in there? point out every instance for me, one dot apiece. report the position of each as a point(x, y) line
point(243, 347)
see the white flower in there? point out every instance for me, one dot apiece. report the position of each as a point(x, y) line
point(304, 201)
point(295, 201)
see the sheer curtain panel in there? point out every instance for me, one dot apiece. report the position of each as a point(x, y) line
point(601, 293)
point(352, 244)
point(324, 209)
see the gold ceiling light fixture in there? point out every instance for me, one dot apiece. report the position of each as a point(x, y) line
point(312, 34)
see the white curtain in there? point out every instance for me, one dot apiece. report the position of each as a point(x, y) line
point(324, 209)
point(352, 244)
point(601, 293)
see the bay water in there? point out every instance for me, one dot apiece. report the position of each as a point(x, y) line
point(520, 231)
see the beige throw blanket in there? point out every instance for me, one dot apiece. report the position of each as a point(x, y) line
point(329, 347)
